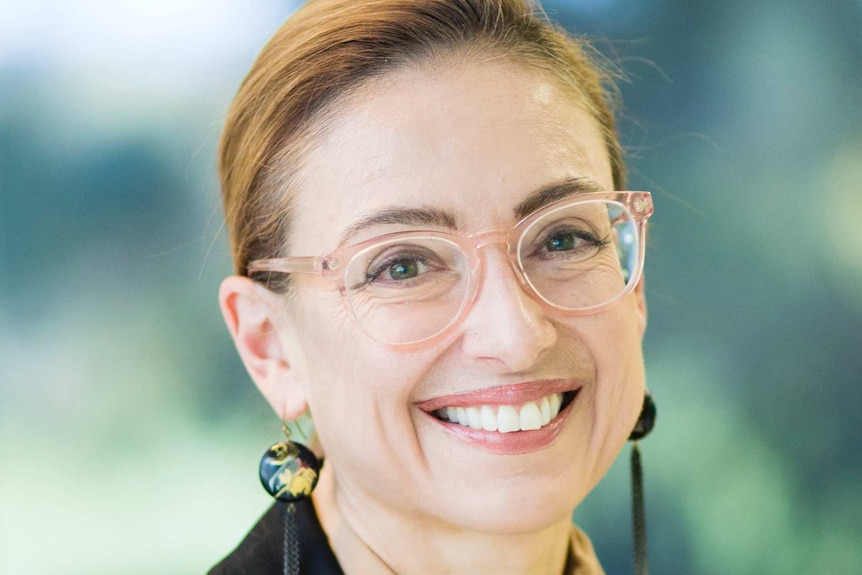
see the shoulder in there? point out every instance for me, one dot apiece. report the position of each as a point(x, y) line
point(258, 552)
point(261, 552)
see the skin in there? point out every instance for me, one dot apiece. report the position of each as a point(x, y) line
point(398, 492)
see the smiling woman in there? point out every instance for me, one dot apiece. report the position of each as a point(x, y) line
point(434, 259)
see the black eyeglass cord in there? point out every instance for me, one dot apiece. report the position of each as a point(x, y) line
point(638, 514)
point(290, 547)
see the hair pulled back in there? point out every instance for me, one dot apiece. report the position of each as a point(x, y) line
point(328, 48)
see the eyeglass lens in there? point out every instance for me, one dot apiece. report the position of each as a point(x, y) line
point(575, 257)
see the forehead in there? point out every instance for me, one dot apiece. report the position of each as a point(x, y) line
point(472, 141)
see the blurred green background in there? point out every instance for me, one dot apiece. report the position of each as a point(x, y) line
point(130, 434)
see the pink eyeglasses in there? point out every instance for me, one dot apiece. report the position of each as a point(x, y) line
point(578, 256)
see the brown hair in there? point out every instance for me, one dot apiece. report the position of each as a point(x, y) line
point(328, 48)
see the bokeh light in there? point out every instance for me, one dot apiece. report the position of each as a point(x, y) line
point(130, 434)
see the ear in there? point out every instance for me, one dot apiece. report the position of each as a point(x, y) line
point(250, 312)
point(640, 305)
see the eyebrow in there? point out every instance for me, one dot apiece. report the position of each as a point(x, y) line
point(435, 217)
point(428, 217)
point(552, 192)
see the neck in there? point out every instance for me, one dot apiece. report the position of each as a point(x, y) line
point(395, 544)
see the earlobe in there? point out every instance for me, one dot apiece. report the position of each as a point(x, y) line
point(250, 315)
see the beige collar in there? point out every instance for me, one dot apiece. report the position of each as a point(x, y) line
point(585, 561)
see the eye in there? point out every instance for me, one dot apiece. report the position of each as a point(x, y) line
point(560, 242)
point(408, 265)
point(569, 239)
point(400, 266)
point(402, 269)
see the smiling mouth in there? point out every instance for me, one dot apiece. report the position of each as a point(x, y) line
point(527, 416)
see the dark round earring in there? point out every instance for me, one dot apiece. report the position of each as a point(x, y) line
point(646, 420)
point(289, 470)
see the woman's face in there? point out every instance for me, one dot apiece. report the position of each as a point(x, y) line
point(472, 142)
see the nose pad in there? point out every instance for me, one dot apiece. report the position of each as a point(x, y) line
point(484, 245)
point(505, 324)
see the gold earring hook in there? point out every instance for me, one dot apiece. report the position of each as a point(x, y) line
point(286, 428)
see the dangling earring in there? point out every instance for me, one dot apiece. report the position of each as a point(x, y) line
point(646, 420)
point(289, 472)
point(644, 424)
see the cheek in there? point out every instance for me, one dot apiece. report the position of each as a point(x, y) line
point(350, 381)
point(618, 338)
point(336, 365)
point(327, 344)
point(614, 338)
point(323, 325)
point(360, 395)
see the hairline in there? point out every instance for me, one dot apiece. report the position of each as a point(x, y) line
point(313, 131)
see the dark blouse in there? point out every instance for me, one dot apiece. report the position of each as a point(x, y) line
point(261, 552)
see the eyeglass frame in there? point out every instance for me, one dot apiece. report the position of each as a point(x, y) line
point(329, 267)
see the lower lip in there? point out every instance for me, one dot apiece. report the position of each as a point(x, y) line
point(515, 442)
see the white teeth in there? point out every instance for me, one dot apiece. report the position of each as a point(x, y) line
point(474, 418)
point(555, 401)
point(489, 418)
point(452, 414)
point(545, 408)
point(462, 415)
point(505, 418)
point(530, 418)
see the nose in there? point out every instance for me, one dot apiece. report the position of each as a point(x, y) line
point(505, 326)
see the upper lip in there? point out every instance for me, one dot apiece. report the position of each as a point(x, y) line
point(509, 394)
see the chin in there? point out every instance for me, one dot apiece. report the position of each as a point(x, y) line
point(516, 507)
point(519, 516)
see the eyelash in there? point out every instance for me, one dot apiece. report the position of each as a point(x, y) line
point(591, 240)
point(378, 268)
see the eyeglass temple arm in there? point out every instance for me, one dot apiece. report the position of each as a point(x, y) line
point(295, 265)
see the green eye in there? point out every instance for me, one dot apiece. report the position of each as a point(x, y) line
point(560, 242)
point(404, 269)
